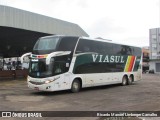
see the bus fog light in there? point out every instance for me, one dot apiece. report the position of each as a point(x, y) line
point(48, 87)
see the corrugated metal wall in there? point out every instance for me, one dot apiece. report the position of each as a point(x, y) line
point(17, 18)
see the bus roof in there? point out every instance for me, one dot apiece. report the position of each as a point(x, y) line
point(107, 40)
point(94, 39)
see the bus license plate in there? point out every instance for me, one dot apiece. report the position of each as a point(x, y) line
point(36, 88)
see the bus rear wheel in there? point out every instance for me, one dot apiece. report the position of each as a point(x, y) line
point(76, 86)
point(124, 80)
point(130, 80)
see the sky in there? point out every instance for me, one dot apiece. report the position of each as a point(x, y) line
point(122, 21)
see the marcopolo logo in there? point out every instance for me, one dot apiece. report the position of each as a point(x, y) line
point(107, 58)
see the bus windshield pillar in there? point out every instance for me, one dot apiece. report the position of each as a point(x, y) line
point(53, 54)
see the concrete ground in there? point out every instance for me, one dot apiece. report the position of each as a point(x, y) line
point(143, 95)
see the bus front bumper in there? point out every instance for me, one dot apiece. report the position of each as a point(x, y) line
point(43, 87)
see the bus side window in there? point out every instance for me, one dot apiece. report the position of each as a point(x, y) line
point(58, 68)
point(59, 65)
point(108, 48)
point(96, 47)
point(83, 46)
point(126, 50)
point(117, 49)
point(67, 44)
point(137, 51)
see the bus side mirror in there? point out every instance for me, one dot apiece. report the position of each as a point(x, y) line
point(24, 55)
point(54, 54)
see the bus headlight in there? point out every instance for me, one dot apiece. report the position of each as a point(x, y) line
point(48, 81)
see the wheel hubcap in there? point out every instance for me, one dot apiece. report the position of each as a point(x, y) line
point(124, 81)
point(75, 85)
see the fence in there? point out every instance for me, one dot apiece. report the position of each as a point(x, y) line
point(14, 74)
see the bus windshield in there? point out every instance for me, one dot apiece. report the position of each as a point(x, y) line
point(49, 43)
point(39, 69)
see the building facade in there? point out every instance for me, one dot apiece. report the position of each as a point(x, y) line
point(145, 63)
point(20, 29)
point(154, 36)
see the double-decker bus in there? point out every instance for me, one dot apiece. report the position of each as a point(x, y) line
point(68, 62)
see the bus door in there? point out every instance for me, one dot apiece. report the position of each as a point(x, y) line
point(60, 70)
point(67, 80)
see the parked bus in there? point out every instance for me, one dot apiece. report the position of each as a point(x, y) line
point(67, 62)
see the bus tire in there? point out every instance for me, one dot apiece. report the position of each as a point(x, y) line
point(76, 86)
point(124, 80)
point(130, 80)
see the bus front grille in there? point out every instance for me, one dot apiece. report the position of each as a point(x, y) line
point(36, 83)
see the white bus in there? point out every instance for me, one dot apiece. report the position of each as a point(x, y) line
point(67, 62)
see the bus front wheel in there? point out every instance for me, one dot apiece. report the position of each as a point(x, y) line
point(76, 86)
